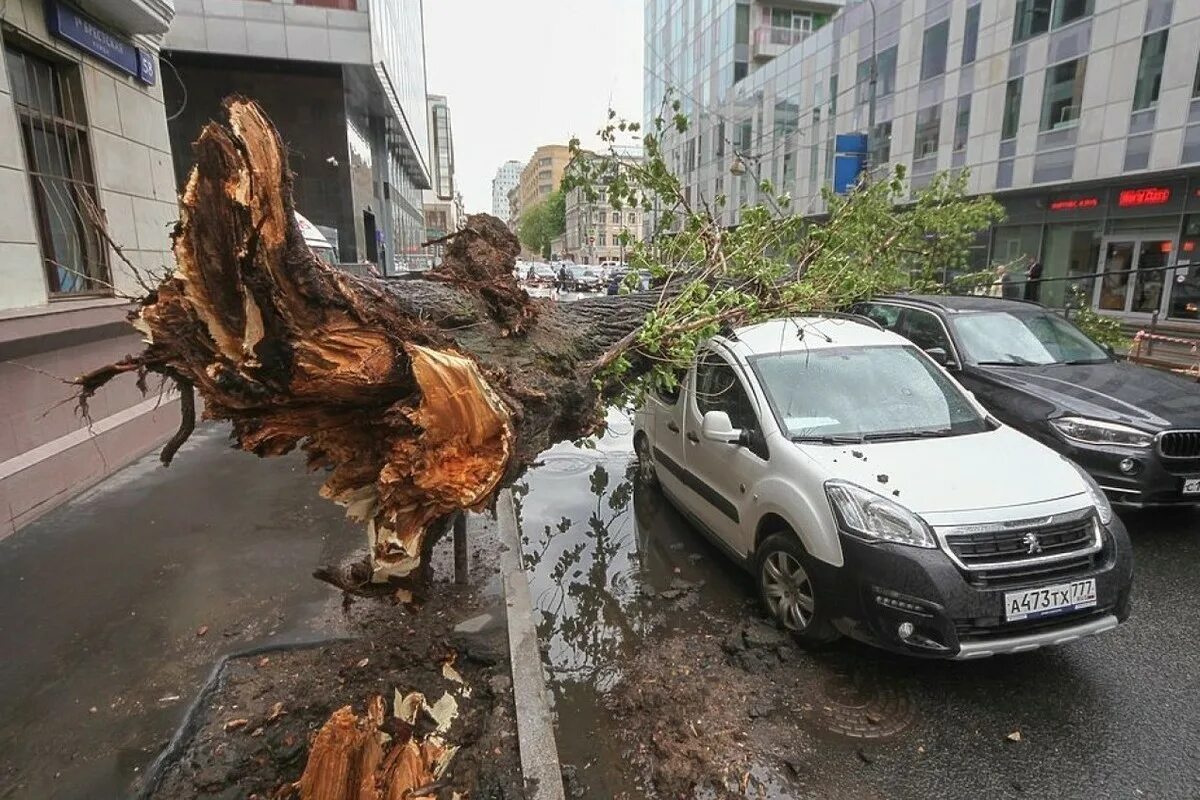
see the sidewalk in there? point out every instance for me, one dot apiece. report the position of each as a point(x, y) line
point(101, 602)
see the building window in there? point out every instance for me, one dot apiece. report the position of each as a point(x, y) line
point(740, 68)
point(1012, 109)
point(929, 122)
point(885, 76)
point(933, 51)
point(48, 99)
point(602, 239)
point(962, 122)
point(1196, 81)
point(971, 34)
point(632, 219)
point(1067, 11)
point(881, 143)
point(1063, 95)
point(544, 162)
point(1032, 18)
point(1150, 68)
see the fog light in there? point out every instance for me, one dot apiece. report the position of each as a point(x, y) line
point(1129, 465)
point(905, 630)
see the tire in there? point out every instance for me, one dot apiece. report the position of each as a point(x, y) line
point(782, 572)
point(647, 473)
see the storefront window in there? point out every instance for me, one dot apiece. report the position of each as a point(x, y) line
point(1014, 248)
point(1071, 251)
point(1184, 300)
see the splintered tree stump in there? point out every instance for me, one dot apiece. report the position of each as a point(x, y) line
point(420, 398)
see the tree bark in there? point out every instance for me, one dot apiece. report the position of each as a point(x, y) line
point(420, 397)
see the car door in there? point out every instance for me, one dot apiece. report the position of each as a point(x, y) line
point(666, 424)
point(721, 472)
point(927, 331)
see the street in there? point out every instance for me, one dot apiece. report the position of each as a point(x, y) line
point(615, 571)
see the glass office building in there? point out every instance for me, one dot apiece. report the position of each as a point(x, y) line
point(1081, 116)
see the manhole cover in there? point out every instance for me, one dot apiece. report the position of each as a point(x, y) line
point(861, 705)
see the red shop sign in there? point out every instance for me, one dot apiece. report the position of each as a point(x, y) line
point(1148, 196)
point(1074, 203)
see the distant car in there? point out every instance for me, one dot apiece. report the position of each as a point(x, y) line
point(585, 279)
point(541, 275)
point(1135, 429)
point(871, 496)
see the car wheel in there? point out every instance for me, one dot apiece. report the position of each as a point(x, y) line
point(788, 592)
point(646, 471)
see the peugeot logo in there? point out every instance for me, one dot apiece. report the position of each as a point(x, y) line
point(1031, 540)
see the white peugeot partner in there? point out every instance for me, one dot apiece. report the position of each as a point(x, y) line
point(872, 496)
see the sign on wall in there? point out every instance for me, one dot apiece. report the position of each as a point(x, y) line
point(89, 36)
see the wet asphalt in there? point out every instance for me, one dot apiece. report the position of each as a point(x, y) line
point(102, 599)
point(1115, 716)
point(101, 602)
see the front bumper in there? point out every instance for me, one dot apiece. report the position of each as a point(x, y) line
point(956, 615)
point(1155, 483)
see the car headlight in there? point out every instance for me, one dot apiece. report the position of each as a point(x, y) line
point(1094, 431)
point(872, 516)
point(1099, 499)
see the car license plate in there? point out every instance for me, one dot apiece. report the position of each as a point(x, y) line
point(1050, 600)
point(1191, 486)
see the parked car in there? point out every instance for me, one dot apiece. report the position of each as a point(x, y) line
point(540, 274)
point(585, 279)
point(1135, 429)
point(872, 496)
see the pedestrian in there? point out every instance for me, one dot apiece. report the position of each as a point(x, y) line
point(564, 278)
point(1033, 281)
point(614, 283)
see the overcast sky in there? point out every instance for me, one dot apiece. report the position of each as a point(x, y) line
point(522, 73)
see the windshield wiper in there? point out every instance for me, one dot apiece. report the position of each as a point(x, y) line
point(830, 439)
point(1013, 361)
point(1077, 361)
point(934, 433)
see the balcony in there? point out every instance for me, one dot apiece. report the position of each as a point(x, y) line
point(770, 42)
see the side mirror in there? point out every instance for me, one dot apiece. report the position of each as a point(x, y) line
point(716, 427)
point(940, 355)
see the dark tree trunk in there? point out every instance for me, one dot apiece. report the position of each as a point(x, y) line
point(421, 397)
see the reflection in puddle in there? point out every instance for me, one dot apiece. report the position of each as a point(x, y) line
point(608, 563)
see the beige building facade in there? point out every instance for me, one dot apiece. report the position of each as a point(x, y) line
point(541, 175)
point(83, 146)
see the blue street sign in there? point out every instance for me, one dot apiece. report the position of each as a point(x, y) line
point(69, 25)
point(849, 160)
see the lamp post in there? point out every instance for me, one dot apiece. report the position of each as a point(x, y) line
point(872, 80)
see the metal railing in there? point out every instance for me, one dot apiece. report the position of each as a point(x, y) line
point(780, 36)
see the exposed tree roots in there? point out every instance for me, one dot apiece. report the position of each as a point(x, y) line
point(419, 397)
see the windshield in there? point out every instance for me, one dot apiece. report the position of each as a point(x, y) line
point(1000, 337)
point(863, 393)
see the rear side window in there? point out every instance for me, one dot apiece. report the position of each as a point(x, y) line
point(925, 330)
point(718, 389)
point(885, 317)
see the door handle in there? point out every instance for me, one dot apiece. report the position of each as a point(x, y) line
point(672, 427)
point(692, 437)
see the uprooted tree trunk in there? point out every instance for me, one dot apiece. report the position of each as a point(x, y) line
point(421, 397)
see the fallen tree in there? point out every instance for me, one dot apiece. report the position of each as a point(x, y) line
point(423, 397)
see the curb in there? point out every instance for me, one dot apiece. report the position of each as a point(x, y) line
point(535, 723)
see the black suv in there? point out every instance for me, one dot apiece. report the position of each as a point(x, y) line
point(1135, 429)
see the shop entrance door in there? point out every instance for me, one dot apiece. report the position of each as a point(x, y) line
point(1131, 274)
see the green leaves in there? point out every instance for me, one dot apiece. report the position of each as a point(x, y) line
point(540, 224)
point(774, 261)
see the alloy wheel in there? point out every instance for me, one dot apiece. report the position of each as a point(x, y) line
point(788, 590)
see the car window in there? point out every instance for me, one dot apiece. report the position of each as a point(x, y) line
point(924, 330)
point(1024, 339)
point(864, 391)
point(885, 317)
point(718, 389)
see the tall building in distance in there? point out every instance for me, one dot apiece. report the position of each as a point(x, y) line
point(344, 81)
point(507, 177)
point(540, 176)
point(441, 203)
point(1081, 117)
